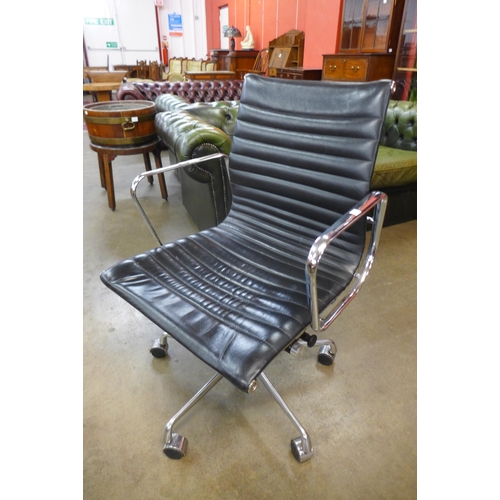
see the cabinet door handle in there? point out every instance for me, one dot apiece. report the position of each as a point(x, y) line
point(354, 68)
point(333, 68)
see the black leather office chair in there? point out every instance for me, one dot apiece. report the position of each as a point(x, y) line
point(290, 254)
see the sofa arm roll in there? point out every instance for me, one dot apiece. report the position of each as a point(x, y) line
point(205, 188)
point(129, 91)
point(186, 136)
point(211, 112)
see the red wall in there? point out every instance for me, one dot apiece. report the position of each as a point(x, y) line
point(268, 19)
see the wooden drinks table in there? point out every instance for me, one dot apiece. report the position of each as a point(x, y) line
point(123, 128)
point(210, 75)
point(106, 154)
point(102, 91)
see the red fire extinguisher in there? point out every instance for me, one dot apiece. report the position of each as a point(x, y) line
point(165, 51)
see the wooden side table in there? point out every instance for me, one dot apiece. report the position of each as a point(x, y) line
point(106, 155)
point(102, 91)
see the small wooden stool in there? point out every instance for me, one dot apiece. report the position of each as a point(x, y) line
point(106, 154)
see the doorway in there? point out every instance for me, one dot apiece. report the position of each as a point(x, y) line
point(223, 26)
point(119, 32)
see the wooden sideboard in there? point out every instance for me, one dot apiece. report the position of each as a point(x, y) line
point(299, 73)
point(227, 60)
point(357, 67)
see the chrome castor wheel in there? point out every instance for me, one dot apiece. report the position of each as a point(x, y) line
point(160, 348)
point(326, 355)
point(176, 448)
point(298, 450)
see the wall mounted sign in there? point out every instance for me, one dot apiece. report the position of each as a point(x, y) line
point(175, 24)
point(100, 21)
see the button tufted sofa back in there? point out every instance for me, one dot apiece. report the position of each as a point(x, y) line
point(400, 126)
point(220, 114)
point(193, 91)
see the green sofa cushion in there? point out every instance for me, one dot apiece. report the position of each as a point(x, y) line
point(394, 167)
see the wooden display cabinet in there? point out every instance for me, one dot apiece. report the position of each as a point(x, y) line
point(405, 71)
point(368, 42)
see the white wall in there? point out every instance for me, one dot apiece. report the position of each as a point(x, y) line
point(135, 30)
point(193, 42)
point(131, 31)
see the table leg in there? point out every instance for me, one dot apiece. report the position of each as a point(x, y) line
point(147, 163)
point(107, 154)
point(103, 95)
point(101, 171)
point(161, 178)
point(110, 188)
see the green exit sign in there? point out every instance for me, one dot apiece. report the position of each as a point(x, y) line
point(100, 21)
point(111, 45)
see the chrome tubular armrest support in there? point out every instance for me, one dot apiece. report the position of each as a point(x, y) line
point(182, 164)
point(375, 201)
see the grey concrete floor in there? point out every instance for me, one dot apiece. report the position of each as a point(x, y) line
point(361, 413)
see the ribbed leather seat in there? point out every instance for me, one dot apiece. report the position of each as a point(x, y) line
point(235, 294)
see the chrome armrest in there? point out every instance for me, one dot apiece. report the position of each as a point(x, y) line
point(182, 164)
point(375, 201)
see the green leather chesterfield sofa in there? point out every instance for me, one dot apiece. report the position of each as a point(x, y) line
point(395, 170)
point(192, 131)
point(195, 130)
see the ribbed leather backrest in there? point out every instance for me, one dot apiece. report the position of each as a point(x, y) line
point(303, 152)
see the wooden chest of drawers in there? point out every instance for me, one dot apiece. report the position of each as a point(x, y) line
point(357, 67)
point(298, 73)
point(226, 60)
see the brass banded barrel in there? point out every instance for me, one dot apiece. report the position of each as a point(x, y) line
point(120, 123)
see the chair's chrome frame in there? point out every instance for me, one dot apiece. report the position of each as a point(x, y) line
point(176, 445)
point(168, 168)
point(376, 201)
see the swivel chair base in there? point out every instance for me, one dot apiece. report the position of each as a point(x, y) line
point(160, 347)
point(176, 448)
point(176, 445)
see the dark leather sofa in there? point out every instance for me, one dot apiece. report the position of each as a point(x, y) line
point(194, 130)
point(191, 91)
